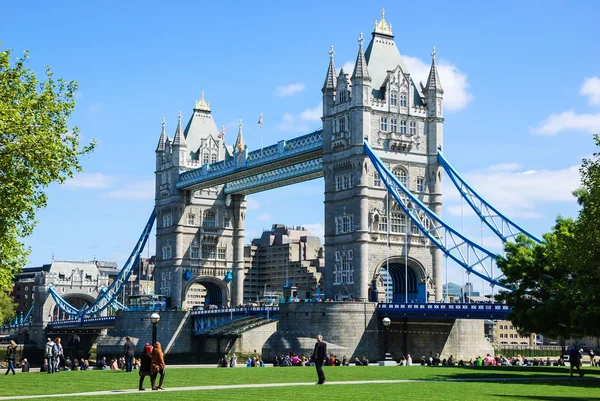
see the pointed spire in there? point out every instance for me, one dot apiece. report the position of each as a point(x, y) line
point(179, 138)
point(330, 78)
point(433, 82)
point(239, 142)
point(360, 67)
point(163, 137)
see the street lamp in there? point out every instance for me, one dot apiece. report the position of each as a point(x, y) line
point(386, 323)
point(154, 318)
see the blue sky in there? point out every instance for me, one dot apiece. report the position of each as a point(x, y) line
point(521, 79)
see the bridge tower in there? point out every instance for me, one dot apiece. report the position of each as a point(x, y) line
point(199, 233)
point(380, 102)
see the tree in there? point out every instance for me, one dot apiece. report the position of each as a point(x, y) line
point(37, 148)
point(557, 282)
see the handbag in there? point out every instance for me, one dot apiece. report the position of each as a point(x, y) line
point(155, 368)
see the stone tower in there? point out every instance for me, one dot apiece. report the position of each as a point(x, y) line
point(199, 233)
point(380, 102)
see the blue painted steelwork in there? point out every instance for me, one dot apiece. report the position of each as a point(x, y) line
point(501, 225)
point(109, 296)
point(454, 244)
point(271, 157)
point(100, 321)
point(444, 310)
point(28, 315)
point(310, 168)
point(206, 319)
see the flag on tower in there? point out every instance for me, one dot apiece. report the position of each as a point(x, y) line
point(260, 120)
point(222, 131)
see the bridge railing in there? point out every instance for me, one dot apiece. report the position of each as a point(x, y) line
point(83, 322)
point(496, 310)
point(236, 311)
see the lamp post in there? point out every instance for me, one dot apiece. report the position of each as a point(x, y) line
point(154, 318)
point(386, 323)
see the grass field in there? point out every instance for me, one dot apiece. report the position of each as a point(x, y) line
point(432, 383)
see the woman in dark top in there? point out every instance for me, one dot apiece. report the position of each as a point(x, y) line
point(11, 354)
point(146, 366)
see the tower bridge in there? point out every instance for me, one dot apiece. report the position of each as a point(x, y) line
point(379, 154)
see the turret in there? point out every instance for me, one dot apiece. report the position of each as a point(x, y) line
point(179, 147)
point(433, 90)
point(361, 81)
point(329, 86)
point(239, 146)
point(160, 149)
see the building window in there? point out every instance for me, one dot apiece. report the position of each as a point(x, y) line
point(342, 124)
point(413, 127)
point(420, 184)
point(195, 252)
point(221, 253)
point(191, 220)
point(205, 158)
point(226, 222)
point(213, 158)
point(403, 126)
point(383, 223)
point(208, 251)
point(414, 229)
point(398, 223)
point(343, 269)
point(383, 124)
point(376, 179)
point(209, 219)
point(344, 224)
point(394, 125)
point(403, 101)
point(167, 220)
point(167, 252)
point(393, 99)
point(401, 175)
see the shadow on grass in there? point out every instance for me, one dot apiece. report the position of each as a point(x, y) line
point(543, 397)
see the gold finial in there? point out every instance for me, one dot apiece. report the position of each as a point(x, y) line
point(383, 26)
point(202, 104)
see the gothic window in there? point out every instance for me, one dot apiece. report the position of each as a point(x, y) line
point(226, 222)
point(344, 224)
point(439, 107)
point(205, 158)
point(342, 123)
point(413, 127)
point(420, 184)
point(403, 100)
point(376, 179)
point(383, 223)
point(208, 251)
point(414, 229)
point(343, 272)
point(209, 219)
point(194, 252)
point(167, 220)
point(345, 181)
point(167, 252)
point(383, 124)
point(398, 223)
point(221, 253)
point(191, 220)
point(393, 99)
point(338, 183)
point(401, 175)
point(393, 125)
point(403, 126)
point(213, 158)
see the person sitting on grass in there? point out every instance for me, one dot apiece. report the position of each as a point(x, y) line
point(85, 364)
point(25, 365)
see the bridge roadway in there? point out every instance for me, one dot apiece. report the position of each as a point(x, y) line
point(209, 318)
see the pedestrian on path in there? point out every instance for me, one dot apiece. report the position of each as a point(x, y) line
point(319, 356)
point(158, 366)
point(146, 366)
point(50, 355)
point(575, 360)
point(128, 353)
point(11, 354)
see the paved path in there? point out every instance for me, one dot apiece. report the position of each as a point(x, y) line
point(235, 386)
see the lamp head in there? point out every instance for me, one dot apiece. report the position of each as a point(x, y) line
point(386, 321)
point(154, 318)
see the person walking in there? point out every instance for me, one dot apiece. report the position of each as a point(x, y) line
point(50, 355)
point(57, 353)
point(319, 356)
point(128, 353)
point(146, 366)
point(233, 361)
point(11, 355)
point(575, 361)
point(158, 366)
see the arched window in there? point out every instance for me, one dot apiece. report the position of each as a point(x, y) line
point(213, 158)
point(376, 179)
point(209, 219)
point(401, 175)
point(205, 158)
point(393, 99)
point(403, 99)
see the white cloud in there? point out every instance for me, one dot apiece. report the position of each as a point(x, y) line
point(516, 193)
point(348, 68)
point(316, 229)
point(89, 181)
point(136, 191)
point(289, 90)
point(300, 122)
point(570, 120)
point(252, 203)
point(264, 217)
point(591, 88)
point(314, 114)
point(454, 81)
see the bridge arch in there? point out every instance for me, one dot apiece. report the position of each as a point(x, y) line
point(394, 284)
point(51, 311)
point(205, 290)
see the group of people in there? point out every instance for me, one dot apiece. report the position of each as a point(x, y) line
point(152, 364)
point(54, 354)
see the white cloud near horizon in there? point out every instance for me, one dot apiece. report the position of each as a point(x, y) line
point(300, 122)
point(289, 90)
point(89, 181)
point(135, 191)
point(515, 192)
point(570, 120)
point(317, 230)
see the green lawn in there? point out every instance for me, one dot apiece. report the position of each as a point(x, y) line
point(512, 383)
